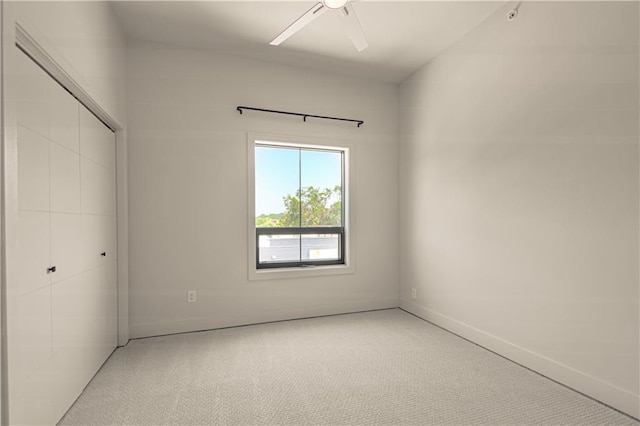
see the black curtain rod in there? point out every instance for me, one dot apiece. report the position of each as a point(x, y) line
point(304, 116)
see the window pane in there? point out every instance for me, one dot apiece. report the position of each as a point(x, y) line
point(277, 186)
point(321, 247)
point(279, 248)
point(321, 187)
point(299, 188)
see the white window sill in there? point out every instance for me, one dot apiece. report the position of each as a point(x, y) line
point(302, 272)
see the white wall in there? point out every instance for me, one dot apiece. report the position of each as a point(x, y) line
point(519, 192)
point(188, 188)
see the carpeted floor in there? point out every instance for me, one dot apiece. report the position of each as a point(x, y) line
point(382, 367)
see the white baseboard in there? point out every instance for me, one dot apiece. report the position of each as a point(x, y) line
point(605, 392)
point(186, 325)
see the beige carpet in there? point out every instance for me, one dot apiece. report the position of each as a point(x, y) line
point(382, 367)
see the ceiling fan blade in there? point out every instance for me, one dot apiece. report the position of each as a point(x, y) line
point(300, 23)
point(353, 27)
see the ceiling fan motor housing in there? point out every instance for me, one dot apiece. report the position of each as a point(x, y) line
point(334, 4)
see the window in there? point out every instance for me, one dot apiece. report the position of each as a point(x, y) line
point(299, 202)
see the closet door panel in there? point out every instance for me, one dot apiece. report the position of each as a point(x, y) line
point(33, 253)
point(23, 413)
point(110, 300)
point(66, 245)
point(32, 97)
point(30, 343)
point(98, 188)
point(91, 241)
point(98, 348)
point(33, 171)
point(106, 337)
point(96, 140)
point(32, 399)
point(91, 182)
point(74, 323)
point(108, 240)
point(98, 236)
point(70, 313)
point(65, 179)
point(63, 117)
point(69, 382)
point(110, 192)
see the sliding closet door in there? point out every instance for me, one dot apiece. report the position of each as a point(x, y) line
point(67, 287)
point(62, 303)
point(84, 298)
point(29, 322)
point(98, 207)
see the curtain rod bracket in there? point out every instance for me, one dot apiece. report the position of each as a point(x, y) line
point(303, 115)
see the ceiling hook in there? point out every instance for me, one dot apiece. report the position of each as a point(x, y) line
point(513, 13)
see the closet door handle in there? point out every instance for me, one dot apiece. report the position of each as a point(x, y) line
point(103, 254)
point(51, 270)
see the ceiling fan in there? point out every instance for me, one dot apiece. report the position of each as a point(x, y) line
point(346, 10)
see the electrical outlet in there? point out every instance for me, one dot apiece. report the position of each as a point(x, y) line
point(414, 293)
point(191, 296)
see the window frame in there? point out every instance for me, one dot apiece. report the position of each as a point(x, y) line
point(322, 230)
point(302, 268)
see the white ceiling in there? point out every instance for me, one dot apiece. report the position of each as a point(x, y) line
point(402, 35)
